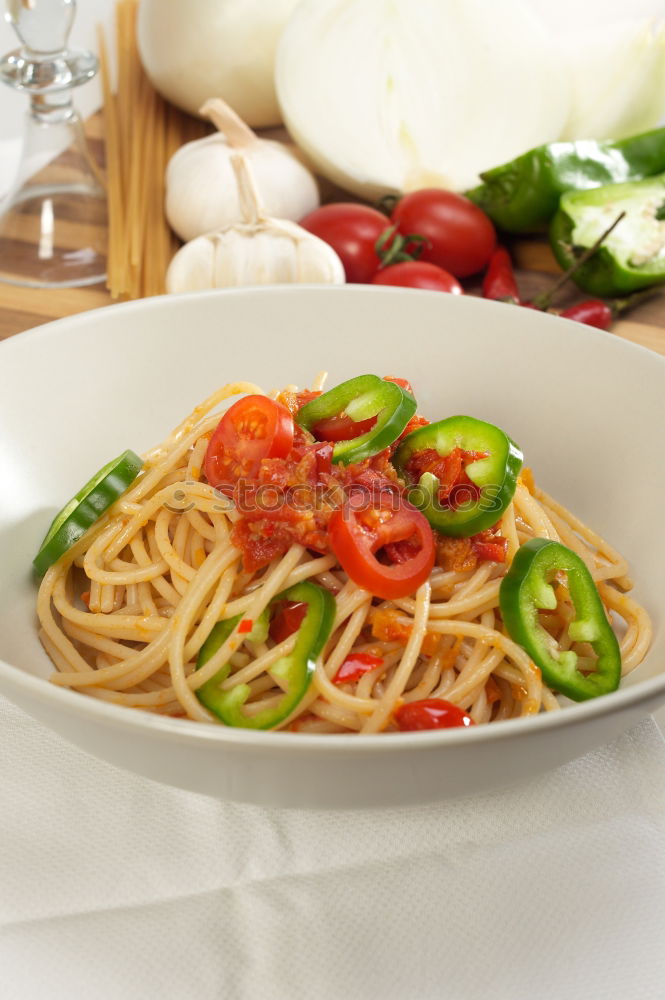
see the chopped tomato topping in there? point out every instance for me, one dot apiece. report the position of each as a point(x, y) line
point(413, 425)
point(387, 627)
point(299, 508)
point(460, 555)
point(403, 383)
point(293, 401)
point(450, 470)
point(245, 626)
point(355, 666)
point(431, 713)
point(287, 619)
point(490, 549)
point(455, 555)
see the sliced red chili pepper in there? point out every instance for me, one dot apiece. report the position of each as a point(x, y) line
point(499, 282)
point(431, 713)
point(360, 530)
point(355, 666)
point(592, 312)
point(245, 626)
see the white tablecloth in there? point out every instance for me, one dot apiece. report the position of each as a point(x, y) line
point(115, 888)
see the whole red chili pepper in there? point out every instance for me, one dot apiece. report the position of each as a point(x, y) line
point(592, 312)
point(499, 282)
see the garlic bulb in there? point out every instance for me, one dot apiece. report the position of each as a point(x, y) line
point(387, 97)
point(201, 187)
point(257, 251)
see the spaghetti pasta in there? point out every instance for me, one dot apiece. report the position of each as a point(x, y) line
point(125, 612)
point(142, 131)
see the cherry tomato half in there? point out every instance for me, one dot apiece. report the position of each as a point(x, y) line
point(358, 531)
point(431, 713)
point(254, 428)
point(418, 274)
point(459, 236)
point(352, 231)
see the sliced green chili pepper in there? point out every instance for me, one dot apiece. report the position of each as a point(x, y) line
point(523, 195)
point(91, 501)
point(633, 255)
point(526, 589)
point(361, 399)
point(296, 669)
point(495, 475)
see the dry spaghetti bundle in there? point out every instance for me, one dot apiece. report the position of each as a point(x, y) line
point(126, 611)
point(142, 131)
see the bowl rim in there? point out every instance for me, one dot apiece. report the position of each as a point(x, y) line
point(192, 732)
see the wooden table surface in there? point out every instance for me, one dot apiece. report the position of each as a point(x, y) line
point(23, 308)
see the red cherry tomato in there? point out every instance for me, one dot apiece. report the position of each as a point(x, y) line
point(459, 236)
point(358, 531)
point(355, 665)
point(418, 274)
point(252, 429)
point(431, 713)
point(352, 231)
point(287, 619)
point(341, 428)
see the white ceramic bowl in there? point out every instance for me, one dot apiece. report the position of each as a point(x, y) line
point(586, 407)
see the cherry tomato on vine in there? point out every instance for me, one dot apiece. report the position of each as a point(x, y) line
point(430, 713)
point(458, 235)
point(418, 274)
point(254, 428)
point(352, 231)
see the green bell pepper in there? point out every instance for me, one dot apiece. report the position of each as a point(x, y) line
point(362, 398)
point(633, 254)
point(526, 588)
point(495, 475)
point(296, 668)
point(523, 195)
point(91, 501)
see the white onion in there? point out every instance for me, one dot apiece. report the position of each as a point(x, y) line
point(192, 49)
point(616, 59)
point(393, 95)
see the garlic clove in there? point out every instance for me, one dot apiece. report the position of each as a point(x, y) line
point(201, 190)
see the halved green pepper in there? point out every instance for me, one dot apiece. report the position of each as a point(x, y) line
point(526, 589)
point(633, 255)
point(91, 501)
point(495, 476)
point(362, 398)
point(296, 669)
point(522, 196)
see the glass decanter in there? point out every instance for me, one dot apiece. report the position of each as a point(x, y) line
point(53, 220)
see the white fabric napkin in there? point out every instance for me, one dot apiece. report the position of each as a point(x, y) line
point(117, 888)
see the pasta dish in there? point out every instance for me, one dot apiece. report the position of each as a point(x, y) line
point(332, 562)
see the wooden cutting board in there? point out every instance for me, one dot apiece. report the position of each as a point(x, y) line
point(23, 308)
